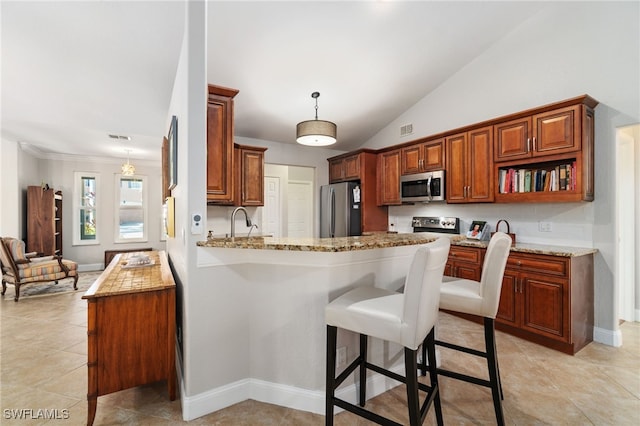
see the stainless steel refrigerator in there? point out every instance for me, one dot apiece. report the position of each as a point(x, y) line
point(340, 210)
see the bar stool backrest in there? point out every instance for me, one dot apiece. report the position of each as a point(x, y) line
point(422, 291)
point(495, 261)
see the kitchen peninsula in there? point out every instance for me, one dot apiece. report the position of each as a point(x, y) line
point(277, 289)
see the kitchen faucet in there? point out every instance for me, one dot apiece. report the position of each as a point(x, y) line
point(233, 220)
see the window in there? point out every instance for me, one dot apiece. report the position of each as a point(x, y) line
point(86, 189)
point(131, 209)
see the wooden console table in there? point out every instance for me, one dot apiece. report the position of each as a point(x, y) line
point(131, 328)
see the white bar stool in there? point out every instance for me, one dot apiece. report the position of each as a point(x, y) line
point(481, 299)
point(405, 318)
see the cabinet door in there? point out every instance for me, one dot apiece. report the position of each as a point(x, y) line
point(545, 306)
point(456, 178)
point(556, 131)
point(411, 159)
point(252, 177)
point(352, 167)
point(480, 183)
point(465, 262)
point(219, 149)
point(336, 170)
point(507, 309)
point(433, 155)
point(388, 178)
point(512, 140)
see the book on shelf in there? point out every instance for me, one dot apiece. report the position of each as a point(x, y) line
point(561, 177)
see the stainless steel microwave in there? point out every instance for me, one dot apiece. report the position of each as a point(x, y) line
point(422, 187)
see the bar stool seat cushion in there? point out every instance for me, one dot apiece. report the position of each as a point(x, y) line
point(461, 295)
point(368, 310)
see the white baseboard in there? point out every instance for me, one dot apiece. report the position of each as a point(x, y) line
point(90, 267)
point(607, 337)
point(278, 394)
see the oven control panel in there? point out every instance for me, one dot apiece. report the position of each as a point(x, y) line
point(436, 224)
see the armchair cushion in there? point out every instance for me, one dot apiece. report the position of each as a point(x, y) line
point(43, 271)
point(16, 249)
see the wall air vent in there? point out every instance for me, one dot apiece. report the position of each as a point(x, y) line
point(126, 138)
point(407, 129)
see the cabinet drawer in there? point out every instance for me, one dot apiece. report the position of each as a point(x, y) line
point(465, 254)
point(550, 265)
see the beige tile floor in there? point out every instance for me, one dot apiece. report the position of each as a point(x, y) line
point(43, 366)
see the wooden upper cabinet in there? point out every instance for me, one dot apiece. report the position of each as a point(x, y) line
point(220, 157)
point(361, 166)
point(547, 154)
point(344, 169)
point(249, 183)
point(389, 178)
point(547, 133)
point(469, 177)
point(423, 157)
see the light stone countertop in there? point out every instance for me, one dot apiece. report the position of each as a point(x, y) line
point(379, 240)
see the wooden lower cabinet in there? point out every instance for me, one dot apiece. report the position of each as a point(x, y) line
point(465, 262)
point(548, 300)
point(544, 299)
point(130, 328)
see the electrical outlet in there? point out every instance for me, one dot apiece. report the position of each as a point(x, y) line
point(544, 226)
point(342, 356)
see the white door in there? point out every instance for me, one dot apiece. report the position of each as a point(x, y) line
point(300, 209)
point(271, 219)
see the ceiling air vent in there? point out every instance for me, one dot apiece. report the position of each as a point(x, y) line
point(407, 129)
point(126, 138)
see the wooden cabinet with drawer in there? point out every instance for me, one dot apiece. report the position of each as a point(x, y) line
point(548, 300)
point(465, 262)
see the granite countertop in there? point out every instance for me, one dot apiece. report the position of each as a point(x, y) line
point(379, 240)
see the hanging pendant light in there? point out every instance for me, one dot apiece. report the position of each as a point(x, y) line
point(127, 168)
point(316, 132)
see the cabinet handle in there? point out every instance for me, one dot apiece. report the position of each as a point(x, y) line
point(519, 263)
point(528, 144)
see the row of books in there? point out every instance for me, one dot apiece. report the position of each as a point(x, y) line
point(559, 178)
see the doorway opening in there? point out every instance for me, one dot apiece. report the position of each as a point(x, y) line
point(627, 230)
point(289, 201)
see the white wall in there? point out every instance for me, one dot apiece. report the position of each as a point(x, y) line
point(566, 50)
point(9, 191)
point(218, 217)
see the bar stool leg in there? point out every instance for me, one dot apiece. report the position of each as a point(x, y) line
point(411, 371)
point(332, 336)
point(492, 364)
point(363, 369)
point(430, 344)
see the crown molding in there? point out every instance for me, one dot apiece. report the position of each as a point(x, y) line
point(54, 156)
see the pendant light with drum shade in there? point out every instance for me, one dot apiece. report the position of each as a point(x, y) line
point(316, 132)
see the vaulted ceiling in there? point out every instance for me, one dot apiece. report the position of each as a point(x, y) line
point(75, 72)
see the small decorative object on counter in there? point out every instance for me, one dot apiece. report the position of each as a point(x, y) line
point(513, 236)
point(210, 235)
point(478, 230)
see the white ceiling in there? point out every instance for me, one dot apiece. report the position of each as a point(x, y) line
point(74, 72)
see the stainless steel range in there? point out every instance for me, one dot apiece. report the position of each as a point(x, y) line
point(442, 224)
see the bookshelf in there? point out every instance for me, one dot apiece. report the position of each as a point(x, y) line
point(44, 221)
point(563, 174)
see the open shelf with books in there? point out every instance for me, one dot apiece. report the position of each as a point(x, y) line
point(555, 180)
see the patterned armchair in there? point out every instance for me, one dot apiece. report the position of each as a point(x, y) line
point(20, 268)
